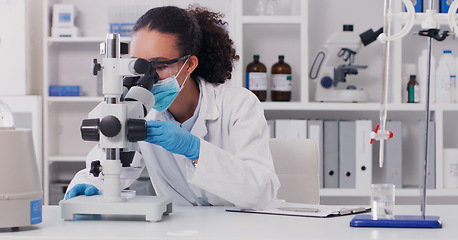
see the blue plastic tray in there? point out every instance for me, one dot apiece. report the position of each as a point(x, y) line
point(399, 221)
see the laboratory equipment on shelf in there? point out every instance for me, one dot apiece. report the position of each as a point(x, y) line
point(335, 60)
point(431, 29)
point(63, 21)
point(20, 186)
point(413, 90)
point(281, 80)
point(117, 123)
point(256, 78)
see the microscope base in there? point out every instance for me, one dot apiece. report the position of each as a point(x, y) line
point(347, 95)
point(152, 207)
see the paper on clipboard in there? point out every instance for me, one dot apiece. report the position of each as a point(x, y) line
point(304, 210)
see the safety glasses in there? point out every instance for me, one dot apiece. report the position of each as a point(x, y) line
point(166, 69)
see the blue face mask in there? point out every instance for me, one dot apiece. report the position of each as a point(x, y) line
point(166, 91)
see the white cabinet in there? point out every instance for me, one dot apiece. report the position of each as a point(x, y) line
point(297, 34)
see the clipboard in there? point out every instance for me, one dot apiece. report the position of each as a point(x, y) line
point(304, 210)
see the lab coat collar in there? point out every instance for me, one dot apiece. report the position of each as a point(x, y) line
point(208, 109)
point(160, 116)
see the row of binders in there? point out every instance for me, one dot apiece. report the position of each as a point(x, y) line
point(346, 153)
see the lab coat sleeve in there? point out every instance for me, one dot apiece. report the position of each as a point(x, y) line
point(243, 172)
point(128, 175)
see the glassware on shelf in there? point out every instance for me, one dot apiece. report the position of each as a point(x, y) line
point(256, 78)
point(281, 80)
point(271, 7)
point(260, 7)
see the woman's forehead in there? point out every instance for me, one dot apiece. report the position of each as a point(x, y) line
point(151, 44)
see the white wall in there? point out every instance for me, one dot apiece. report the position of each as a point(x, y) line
point(35, 46)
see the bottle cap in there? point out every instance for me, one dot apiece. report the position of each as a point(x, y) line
point(281, 57)
point(447, 51)
point(256, 56)
point(348, 28)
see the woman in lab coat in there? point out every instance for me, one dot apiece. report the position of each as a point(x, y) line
point(208, 142)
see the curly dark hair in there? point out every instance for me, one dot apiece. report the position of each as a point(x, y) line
point(199, 32)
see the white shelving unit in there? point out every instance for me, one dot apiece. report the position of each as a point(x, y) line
point(270, 36)
point(296, 36)
point(67, 61)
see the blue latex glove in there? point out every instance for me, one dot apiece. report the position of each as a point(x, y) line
point(173, 138)
point(80, 189)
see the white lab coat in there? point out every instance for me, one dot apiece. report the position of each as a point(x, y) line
point(235, 166)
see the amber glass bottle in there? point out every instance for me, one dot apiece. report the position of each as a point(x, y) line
point(256, 78)
point(281, 80)
point(413, 90)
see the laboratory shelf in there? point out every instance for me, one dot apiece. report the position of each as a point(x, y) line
point(445, 107)
point(74, 99)
point(271, 19)
point(339, 192)
point(403, 192)
point(319, 106)
point(66, 158)
point(81, 39)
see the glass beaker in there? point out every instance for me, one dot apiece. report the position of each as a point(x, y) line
point(382, 199)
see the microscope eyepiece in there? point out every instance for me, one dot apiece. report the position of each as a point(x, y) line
point(142, 66)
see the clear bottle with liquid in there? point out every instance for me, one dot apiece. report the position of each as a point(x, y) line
point(256, 78)
point(442, 83)
point(422, 70)
point(281, 80)
point(449, 60)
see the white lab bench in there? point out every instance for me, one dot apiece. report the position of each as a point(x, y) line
point(215, 223)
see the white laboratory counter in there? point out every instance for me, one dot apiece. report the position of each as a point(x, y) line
point(215, 223)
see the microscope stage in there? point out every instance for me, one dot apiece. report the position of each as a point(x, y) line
point(152, 207)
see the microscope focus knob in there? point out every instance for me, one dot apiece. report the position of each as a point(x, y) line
point(326, 82)
point(110, 126)
point(96, 67)
point(136, 130)
point(90, 129)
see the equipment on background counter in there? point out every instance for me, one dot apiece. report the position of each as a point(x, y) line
point(20, 186)
point(335, 60)
point(117, 124)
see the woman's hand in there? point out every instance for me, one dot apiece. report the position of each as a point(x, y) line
point(173, 138)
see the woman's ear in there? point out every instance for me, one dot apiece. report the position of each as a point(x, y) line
point(192, 64)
